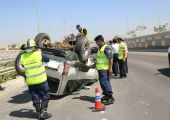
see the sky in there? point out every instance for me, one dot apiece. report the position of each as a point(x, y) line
point(18, 21)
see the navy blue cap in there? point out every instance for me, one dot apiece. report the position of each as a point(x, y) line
point(99, 37)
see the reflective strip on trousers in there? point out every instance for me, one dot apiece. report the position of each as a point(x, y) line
point(35, 75)
point(38, 66)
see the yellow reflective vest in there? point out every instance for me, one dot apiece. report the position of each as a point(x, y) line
point(102, 62)
point(86, 36)
point(34, 68)
point(122, 48)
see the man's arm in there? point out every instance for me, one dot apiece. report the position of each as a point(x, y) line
point(110, 66)
point(108, 52)
point(45, 58)
point(125, 52)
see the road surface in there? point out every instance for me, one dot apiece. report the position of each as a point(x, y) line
point(143, 95)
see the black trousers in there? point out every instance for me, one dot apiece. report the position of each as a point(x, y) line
point(169, 59)
point(122, 68)
point(115, 64)
point(126, 64)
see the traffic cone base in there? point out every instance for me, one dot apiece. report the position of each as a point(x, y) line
point(97, 110)
point(98, 104)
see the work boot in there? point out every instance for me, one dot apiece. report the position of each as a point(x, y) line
point(44, 113)
point(110, 100)
point(38, 110)
point(104, 99)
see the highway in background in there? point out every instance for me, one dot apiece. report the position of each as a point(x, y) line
point(143, 95)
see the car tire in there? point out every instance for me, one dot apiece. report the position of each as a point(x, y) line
point(39, 39)
point(19, 69)
point(81, 49)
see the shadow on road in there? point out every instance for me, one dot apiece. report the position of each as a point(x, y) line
point(86, 98)
point(165, 71)
point(24, 113)
point(21, 98)
point(53, 97)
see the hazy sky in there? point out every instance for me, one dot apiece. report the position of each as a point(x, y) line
point(18, 20)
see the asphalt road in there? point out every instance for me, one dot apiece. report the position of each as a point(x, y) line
point(143, 95)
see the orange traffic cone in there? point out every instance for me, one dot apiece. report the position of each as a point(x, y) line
point(98, 104)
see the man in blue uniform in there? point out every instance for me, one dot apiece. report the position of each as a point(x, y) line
point(104, 66)
point(36, 78)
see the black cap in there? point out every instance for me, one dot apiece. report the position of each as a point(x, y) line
point(77, 26)
point(99, 37)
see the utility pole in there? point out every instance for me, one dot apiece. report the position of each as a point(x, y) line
point(38, 20)
point(127, 22)
point(158, 10)
point(65, 26)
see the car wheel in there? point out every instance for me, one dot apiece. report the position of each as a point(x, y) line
point(19, 69)
point(82, 48)
point(42, 40)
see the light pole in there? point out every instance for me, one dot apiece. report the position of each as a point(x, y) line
point(65, 26)
point(38, 20)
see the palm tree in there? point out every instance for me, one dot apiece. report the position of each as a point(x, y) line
point(141, 28)
point(132, 33)
point(161, 28)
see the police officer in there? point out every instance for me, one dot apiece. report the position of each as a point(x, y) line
point(36, 78)
point(122, 58)
point(126, 61)
point(104, 66)
point(115, 47)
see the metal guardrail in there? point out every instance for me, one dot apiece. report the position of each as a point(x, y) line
point(6, 70)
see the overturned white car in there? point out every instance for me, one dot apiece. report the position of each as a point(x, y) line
point(68, 70)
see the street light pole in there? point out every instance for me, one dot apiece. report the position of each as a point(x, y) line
point(38, 20)
point(65, 26)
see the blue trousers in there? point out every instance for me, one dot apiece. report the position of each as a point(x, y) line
point(39, 92)
point(104, 79)
point(122, 68)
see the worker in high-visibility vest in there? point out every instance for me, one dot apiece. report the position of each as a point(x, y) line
point(83, 32)
point(126, 61)
point(36, 78)
point(104, 66)
point(122, 58)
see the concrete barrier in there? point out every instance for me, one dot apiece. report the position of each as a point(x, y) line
point(153, 41)
point(8, 54)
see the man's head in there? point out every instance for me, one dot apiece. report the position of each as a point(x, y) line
point(119, 40)
point(114, 40)
point(78, 27)
point(99, 40)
